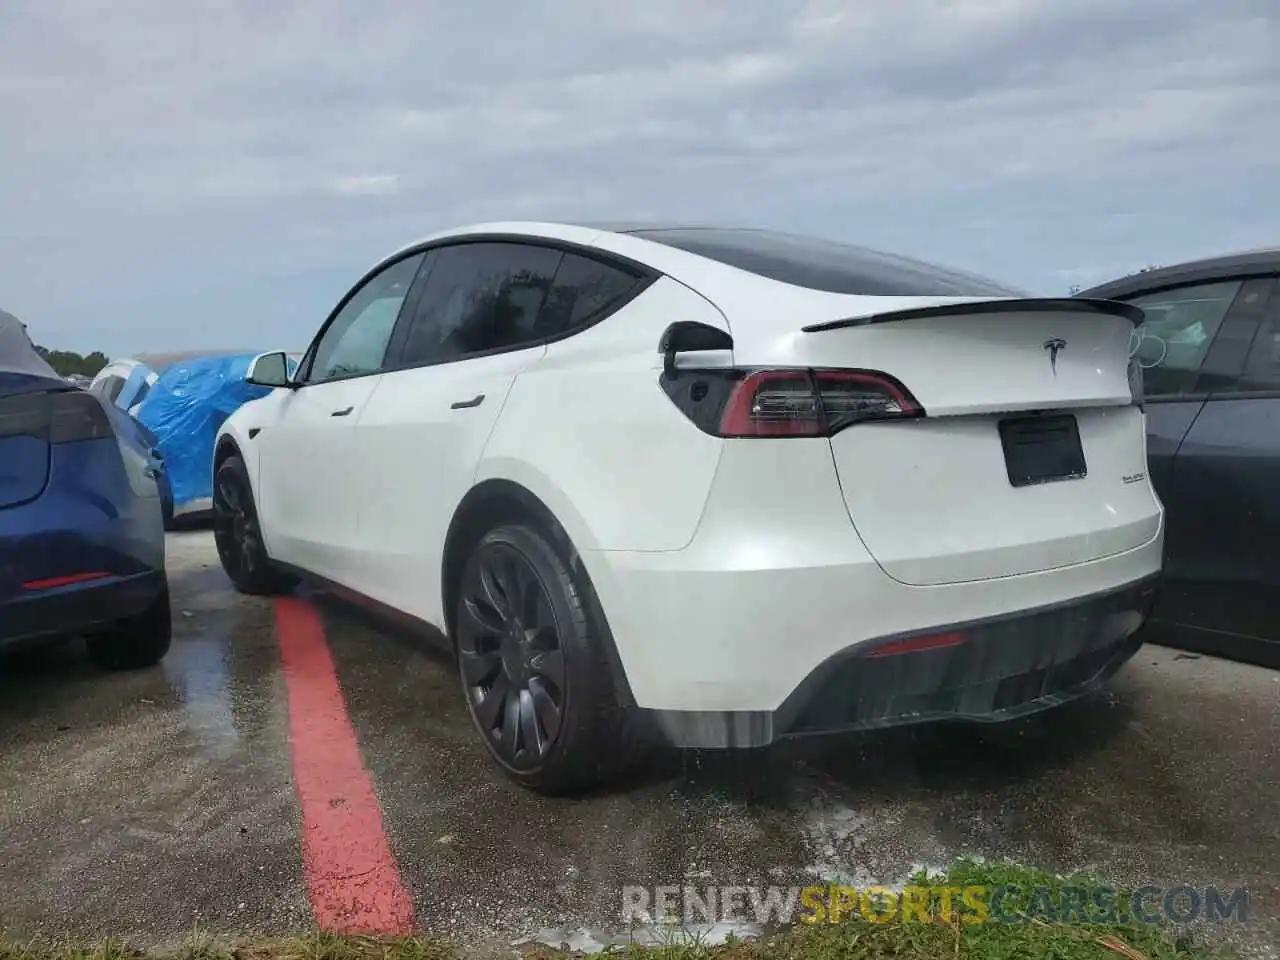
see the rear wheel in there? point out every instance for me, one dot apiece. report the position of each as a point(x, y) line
point(137, 641)
point(239, 537)
point(533, 668)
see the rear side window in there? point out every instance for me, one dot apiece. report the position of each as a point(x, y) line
point(479, 298)
point(584, 291)
point(1262, 366)
point(1180, 327)
point(826, 265)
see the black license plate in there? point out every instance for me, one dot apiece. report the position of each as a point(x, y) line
point(1042, 449)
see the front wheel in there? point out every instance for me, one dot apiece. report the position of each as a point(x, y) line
point(533, 667)
point(238, 536)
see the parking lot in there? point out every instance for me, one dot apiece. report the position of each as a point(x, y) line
point(142, 804)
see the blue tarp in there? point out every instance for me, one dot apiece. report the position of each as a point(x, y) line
point(185, 408)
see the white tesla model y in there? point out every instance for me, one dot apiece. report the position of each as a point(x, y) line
point(727, 485)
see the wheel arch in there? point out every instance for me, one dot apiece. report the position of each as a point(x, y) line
point(496, 501)
point(225, 448)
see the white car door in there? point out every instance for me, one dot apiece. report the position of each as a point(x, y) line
point(477, 324)
point(308, 488)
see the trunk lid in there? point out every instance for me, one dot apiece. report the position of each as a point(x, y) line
point(1032, 451)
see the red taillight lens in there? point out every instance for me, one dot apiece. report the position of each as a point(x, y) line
point(773, 403)
point(812, 403)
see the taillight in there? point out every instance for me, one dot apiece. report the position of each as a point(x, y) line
point(788, 402)
point(773, 403)
point(63, 416)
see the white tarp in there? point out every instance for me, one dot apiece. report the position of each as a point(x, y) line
point(17, 354)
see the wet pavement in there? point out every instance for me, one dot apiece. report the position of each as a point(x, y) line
point(141, 804)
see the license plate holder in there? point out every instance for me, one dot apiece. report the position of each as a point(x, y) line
point(1042, 449)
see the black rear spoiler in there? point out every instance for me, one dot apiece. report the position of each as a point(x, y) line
point(1024, 305)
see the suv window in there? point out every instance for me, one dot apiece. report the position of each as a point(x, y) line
point(480, 297)
point(356, 341)
point(1180, 327)
point(584, 291)
point(1262, 365)
point(825, 264)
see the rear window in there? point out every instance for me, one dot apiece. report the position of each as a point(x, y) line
point(825, 264)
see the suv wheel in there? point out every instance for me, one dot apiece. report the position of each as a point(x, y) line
point(238, 535)
point(533, 667)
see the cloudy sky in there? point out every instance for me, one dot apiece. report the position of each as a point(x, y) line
point(215, 173)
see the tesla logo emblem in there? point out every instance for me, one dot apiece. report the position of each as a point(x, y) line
point(1054, 346)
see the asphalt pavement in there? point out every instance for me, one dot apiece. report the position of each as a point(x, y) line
point(139, 805)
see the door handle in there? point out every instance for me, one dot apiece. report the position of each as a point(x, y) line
point(341, 413)
point(464, 404)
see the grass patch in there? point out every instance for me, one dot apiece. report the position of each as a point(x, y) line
point(937, 929)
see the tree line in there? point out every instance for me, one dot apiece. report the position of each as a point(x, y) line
point(68, 362)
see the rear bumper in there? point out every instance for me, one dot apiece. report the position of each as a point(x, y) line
point(776, 585)
point(75, 531)
point(997, 669)
point(77, 608)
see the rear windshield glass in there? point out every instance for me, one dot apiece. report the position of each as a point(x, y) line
point(825, 265)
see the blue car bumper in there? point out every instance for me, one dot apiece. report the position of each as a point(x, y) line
point(64, 608)
point(87, 553)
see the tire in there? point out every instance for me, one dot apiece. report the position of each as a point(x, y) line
point(533, 668)
point(135, 642)
point(238, 536)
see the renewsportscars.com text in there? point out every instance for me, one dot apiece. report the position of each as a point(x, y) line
point(1007, 903)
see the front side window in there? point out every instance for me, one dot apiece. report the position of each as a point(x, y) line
point(1179, 330)
point(355, 343)
point(479, 298)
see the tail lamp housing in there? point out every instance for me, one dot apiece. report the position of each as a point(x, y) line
point(788, 402)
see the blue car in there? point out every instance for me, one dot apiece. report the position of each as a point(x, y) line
point(81, 532)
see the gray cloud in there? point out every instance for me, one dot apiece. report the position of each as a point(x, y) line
point(219, 172)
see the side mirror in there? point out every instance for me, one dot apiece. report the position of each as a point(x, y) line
point(270, 370)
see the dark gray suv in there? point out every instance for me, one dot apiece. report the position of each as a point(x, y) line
point(1210, 352)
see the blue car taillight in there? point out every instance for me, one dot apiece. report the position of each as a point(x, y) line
point(75, 416)
point(60, 416)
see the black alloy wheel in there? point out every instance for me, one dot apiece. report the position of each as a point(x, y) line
point(238, 536)
point(235, 529)
point(511, 655)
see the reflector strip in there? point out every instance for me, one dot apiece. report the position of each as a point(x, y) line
point(916, 644)
point(50, 582)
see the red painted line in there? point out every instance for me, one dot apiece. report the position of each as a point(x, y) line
point(352, 879)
